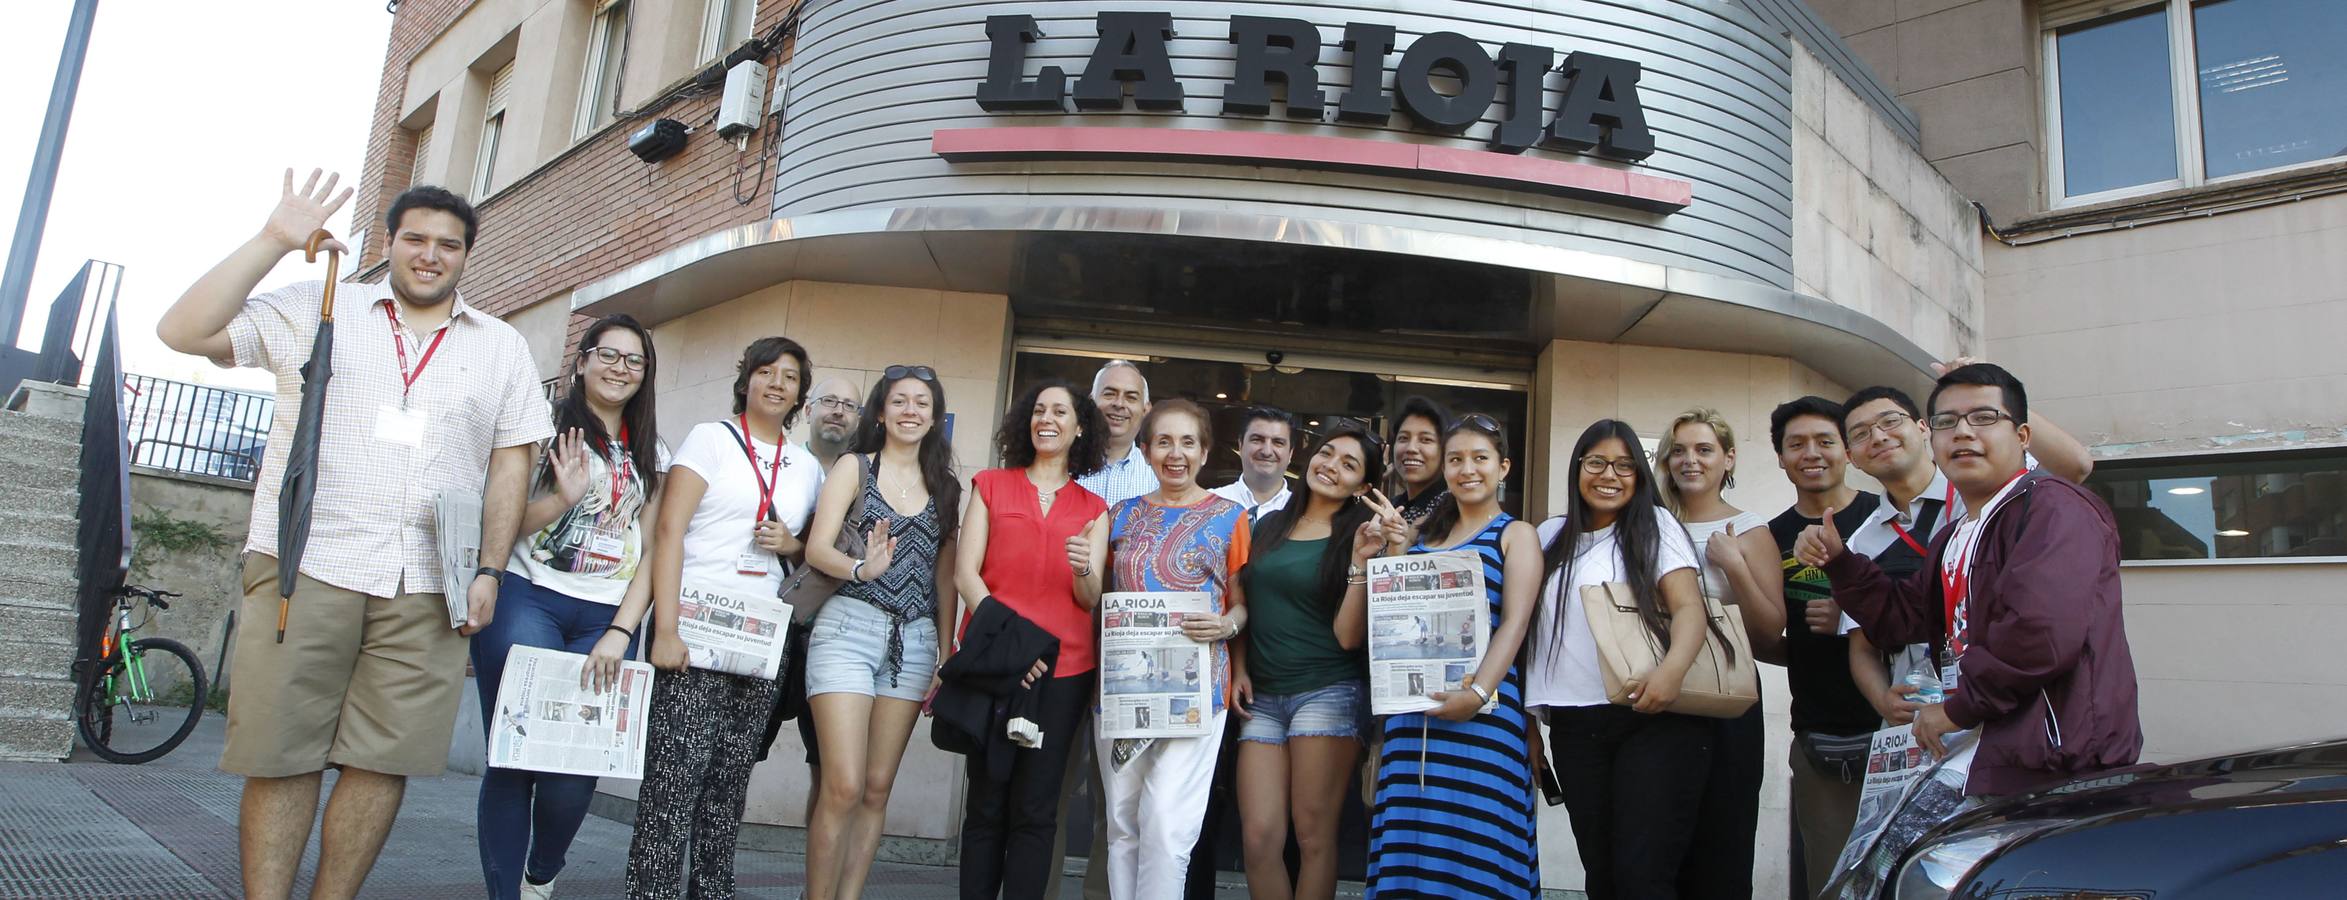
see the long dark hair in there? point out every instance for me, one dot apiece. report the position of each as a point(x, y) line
point(1087, 454)
point(636, 418)
point(1419, 407)
point(1273, 531)
point(1446, 513)
point(1637, 536)
point(936, 456)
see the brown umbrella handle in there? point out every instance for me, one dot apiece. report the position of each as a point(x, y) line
point(333, 260)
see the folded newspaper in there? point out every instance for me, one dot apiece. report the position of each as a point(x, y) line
point(1428, 625)
point(731, 631)
point(1154, 680)
point(458, 517)
point(546, 722)
point(1906, 794)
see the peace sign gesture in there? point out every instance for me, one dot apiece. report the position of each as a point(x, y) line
point(1384, 531)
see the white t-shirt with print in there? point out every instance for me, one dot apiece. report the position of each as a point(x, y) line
point(592, 550)
point(1569, 675)
point(722, 526)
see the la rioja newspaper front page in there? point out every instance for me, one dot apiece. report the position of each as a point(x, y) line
point(1428, 625)
point(1154, 680)
point(730, 631)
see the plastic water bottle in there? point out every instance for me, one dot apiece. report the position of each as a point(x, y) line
point(1927, 689)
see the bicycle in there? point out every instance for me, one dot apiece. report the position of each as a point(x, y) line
point(119, 712)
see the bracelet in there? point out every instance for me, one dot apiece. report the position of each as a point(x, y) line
point(857, 574)
point(1360, 580)
point(622, 629)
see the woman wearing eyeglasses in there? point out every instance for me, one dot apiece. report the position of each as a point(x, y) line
point(873, 653)
point(1739, 569)
point(1633, 776)
point(1453, 815)
point(574, 584)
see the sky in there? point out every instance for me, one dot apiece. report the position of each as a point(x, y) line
point(187, 116)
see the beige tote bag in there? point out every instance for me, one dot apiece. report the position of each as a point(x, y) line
point(1715, 686)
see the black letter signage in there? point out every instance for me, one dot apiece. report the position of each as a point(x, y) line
point(1414, 81)
point(1526, 66)
point(1365, 99)
point(1006, 87)
point(1287, 49)
point(1602, 92)
point(1131, 48)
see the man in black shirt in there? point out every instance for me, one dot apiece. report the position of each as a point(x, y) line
point(1832, 720)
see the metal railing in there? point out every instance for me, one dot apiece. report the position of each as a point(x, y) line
point(195, 429)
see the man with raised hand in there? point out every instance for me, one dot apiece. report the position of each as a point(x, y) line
point(2021, 597)
point(429, 395)
point(1265, 449)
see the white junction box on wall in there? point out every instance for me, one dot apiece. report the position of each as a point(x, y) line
point(744, 101)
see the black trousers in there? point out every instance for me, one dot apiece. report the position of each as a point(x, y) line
point(1719, 858)
point(1634, 785)
point(1007, 826)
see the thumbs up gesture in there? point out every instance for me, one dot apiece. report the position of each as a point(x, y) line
point(1819, 543)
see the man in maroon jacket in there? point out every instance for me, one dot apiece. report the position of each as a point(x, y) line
point(2020, 599)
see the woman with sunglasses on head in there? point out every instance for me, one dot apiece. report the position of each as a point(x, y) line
point(1633, 776)
point(1033, 541)
point(576, 583)
point(874, 649)
point(738, 495)
point(1740, 569)
point(1178, 538)
point(1453, 816)
point(1299, 675)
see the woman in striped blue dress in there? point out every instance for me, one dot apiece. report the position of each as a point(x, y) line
point(1454, 811)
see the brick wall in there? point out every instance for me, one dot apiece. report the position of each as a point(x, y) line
point(590, 211)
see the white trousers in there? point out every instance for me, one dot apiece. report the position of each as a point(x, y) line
point(1156, 805)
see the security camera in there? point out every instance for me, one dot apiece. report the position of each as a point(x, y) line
point(1273, 357)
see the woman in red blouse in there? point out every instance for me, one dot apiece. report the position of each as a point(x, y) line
point(1032, 539)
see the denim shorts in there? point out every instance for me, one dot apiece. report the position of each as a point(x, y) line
point(847, 652)
point(1332, 711)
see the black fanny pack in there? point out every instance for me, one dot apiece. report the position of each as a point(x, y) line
point(1839, 755)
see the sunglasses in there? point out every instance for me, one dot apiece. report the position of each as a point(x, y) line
point(923, 373)
point(1480, 422)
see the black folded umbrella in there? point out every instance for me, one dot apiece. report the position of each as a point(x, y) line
point(301, 457)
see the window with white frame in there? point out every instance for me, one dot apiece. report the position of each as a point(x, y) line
point(2147, 95)
point(725, 24)
point(492, 129)
point(599, 85)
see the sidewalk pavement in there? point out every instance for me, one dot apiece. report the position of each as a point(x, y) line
point(167, 830)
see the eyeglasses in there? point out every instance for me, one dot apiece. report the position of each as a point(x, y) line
point(835, 404)
point(611, 357)
point(1890, 421)
point(1596, 465)
point(923, 373)
point(1978, 418)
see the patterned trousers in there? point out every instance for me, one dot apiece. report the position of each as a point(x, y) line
point(704, 735)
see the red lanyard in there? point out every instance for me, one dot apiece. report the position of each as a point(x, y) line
point(1956, 582)
point(1945, 505)
point(623, 469)
point(407, 379)
point(768, 479)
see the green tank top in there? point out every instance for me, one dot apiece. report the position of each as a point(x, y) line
point(1291, 633)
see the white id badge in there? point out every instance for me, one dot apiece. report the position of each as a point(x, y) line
point(756, 562)
point(605, 547)
point(1948, 675)
point(404, 427)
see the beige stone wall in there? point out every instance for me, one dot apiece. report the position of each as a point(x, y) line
point(2236, 656)
point(209, 580)
point(2200, 334)
point(1875, 227)
point(855, 331)
point(1968, 68)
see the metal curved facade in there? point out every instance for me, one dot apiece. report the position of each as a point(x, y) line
point(870, 82)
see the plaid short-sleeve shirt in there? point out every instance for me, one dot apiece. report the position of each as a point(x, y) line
point(372, 520)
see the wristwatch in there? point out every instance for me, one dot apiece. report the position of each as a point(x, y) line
point(491, 571)
point(1355, 571)
point(1490, 700)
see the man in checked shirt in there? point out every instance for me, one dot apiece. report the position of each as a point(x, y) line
point(429, 395)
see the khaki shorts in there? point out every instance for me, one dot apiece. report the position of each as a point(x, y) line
point(366, 682)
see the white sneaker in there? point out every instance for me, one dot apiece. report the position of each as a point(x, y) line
point(537, 891)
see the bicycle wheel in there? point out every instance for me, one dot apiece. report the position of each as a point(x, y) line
point(141, 704)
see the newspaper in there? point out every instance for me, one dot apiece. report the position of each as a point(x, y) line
point(458, 515)
point(1906, 794)
point(730, 631)
point(1428, 625)
point(1154, 680)
point(545, 722)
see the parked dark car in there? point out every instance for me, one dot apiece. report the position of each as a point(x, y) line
point(2266, 825)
